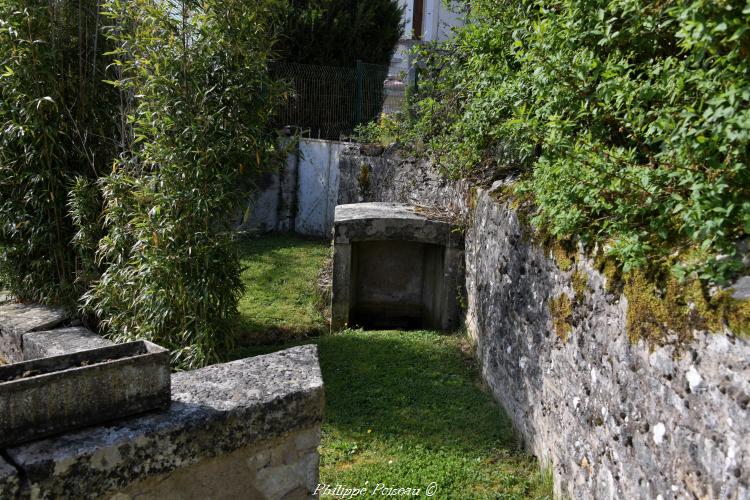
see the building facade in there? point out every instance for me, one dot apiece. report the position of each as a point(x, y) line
point(424, 21)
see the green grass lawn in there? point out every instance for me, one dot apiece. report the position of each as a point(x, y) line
point(281, 301)
point(405, 409)
point(408, 409)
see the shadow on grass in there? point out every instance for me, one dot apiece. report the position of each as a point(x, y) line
point(410, 385)
point(408, 408)
point(281, 302)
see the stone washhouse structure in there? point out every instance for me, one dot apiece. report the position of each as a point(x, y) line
point(395, 268)
point(245, 429)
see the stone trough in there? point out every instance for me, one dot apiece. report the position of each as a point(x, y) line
point(395, 268)
point(51, 395)
point(245, 429)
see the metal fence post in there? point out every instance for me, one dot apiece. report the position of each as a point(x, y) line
point(359, 93)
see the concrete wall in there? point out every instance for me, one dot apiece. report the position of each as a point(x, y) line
point(318, 186)
point(302, 197)
point(614, 419)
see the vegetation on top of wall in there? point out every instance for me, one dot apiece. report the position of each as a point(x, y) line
point(627, 120)
point(340, 32)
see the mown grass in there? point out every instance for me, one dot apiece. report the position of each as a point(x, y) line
point(407, 409)
point(281, 302)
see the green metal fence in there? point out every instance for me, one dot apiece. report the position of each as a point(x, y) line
point(329, 102)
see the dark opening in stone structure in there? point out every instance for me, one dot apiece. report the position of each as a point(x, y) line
point(395, 268)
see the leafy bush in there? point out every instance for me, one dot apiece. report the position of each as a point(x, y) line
point(197, 100)
point(629, 119)
point(340, 32)
point(56, 120)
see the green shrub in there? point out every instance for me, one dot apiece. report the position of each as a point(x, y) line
point(629, 120)
point(197, 96)
point(340, 32)
point(56, 123)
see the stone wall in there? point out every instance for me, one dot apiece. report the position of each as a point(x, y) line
point(245, 429)
point(613, 419)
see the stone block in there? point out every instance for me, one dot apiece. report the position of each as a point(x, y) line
point(17, 319)
point(394, 267)
point(51, 395)
point(62, 341)
point(215, 411)
point(9, 480)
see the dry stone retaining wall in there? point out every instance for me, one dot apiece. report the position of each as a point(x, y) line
point(613, 419)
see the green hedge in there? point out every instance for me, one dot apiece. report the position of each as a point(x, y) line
point(628, 120)
point(129, 131)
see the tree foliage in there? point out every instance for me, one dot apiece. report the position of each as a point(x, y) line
point(55, 124)
point(128, 132)
point(340, 32)
point(629, 120)
point(197, 100)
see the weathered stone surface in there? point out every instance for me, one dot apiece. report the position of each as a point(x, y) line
point(9, 480)
point(741, 289)
point(394, 267)
point(285, 467)
point(615, 420)
point(17, 319)
point(61, 341)
point(391, 221)
point(215, 411)
point(399, 180)
point(47, 396)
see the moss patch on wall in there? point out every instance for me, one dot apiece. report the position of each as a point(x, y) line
point(561, 310)
point(659, 306)
point(363, 180)
point(658, 303)
point(611, 272)
point(580, 285)
point(563, 251)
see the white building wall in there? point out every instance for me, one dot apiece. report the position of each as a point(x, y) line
point(437, 25)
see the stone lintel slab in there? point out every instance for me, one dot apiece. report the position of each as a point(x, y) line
point(391, 221)
point(17, 319)
point(214, 411)
point(9, 480)
point(63, 341)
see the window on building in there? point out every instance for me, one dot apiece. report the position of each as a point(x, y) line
point(418, 16)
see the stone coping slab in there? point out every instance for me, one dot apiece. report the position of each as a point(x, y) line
point(391, 221)
point(214, 411)
point(17, 319)
point(62, 341)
